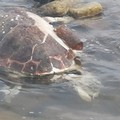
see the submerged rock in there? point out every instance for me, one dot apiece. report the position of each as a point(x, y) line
point(70, 7)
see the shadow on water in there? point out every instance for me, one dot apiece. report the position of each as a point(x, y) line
point(101, 56)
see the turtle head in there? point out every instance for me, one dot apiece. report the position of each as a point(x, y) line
point(69, 37)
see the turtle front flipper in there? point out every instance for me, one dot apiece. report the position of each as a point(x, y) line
point(69, 37)
point(85, 85)
point(10, 93)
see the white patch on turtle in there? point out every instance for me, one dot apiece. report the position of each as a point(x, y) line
point(31, 68)
point(3, 32)
point(54, 70)
point(17, 17)
point(11, 28)
point(5, 16)
point(33, 48)
point(44, 39)
point(12, 19)
point(46, 28)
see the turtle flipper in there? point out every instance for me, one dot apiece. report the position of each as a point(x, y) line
point(84, 95)
point(10, 93)
point(85, 85)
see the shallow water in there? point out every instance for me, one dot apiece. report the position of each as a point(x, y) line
point(101, 57)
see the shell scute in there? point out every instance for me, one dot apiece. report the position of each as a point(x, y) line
point(44, 66)
point(8, 45)
point(16, 66)
point(23, 54)
point(57, 49)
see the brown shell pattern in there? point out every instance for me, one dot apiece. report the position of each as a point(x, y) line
point(25, 48)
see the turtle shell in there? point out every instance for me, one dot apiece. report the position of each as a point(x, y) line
point(29, 44)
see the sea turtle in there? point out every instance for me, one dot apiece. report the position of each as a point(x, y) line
point(74, 8)
point(32, 51)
